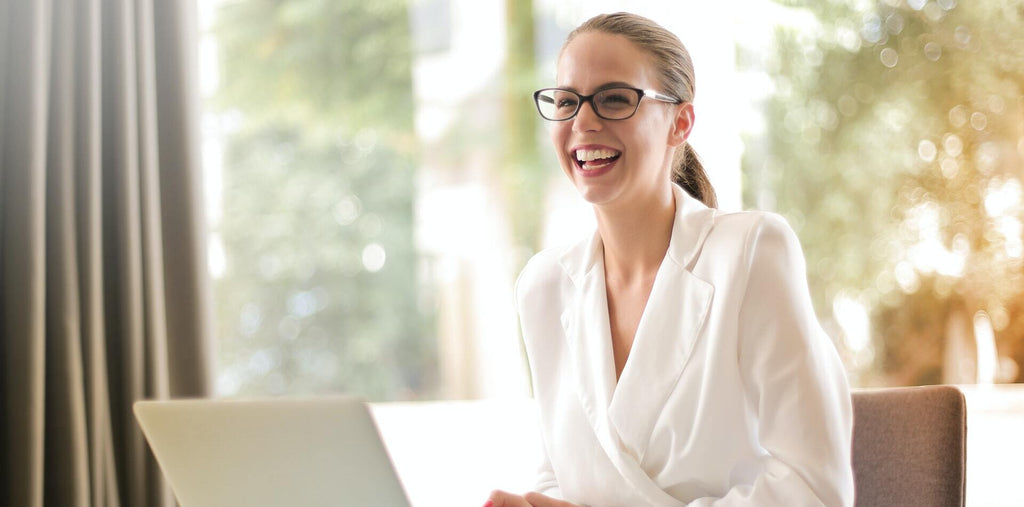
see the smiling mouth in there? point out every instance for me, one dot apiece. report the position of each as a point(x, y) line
point(590, 160)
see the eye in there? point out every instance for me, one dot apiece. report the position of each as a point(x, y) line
point(617, 99)
point(568, 102)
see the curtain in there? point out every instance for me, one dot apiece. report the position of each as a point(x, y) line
point(104, 298)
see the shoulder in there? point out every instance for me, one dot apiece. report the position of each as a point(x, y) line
point(748, 224)
point(541, 276)
point(754, 234)
point(542, 268)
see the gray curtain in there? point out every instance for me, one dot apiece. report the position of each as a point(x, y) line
point(104, 298)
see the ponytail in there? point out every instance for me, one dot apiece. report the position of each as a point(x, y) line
point(688, 172)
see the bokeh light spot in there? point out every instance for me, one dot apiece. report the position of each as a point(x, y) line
point(979, 121)
point(926, 150)
point(374, 257)
point(952, 144)
point(958, 116)
point(889, 57)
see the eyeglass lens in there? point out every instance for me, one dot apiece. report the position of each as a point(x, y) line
point(610, 104)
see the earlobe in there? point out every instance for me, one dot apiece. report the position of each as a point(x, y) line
point(681, 125)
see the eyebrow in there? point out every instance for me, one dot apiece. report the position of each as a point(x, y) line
point(605, 86)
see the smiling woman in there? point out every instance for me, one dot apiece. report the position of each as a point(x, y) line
point(675, 355)
point(599, 62)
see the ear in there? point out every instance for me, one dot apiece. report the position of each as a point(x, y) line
point(682, 123)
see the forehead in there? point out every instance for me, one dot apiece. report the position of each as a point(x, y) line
point(595, 58)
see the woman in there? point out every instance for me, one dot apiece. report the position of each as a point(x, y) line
point(676, 358)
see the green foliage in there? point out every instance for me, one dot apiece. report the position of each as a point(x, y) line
point(890, 127)
point(318, 181)
point(322, 64)
point(523, 176)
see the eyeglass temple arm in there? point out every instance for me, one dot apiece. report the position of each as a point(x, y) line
point(664, 98)
point(545, 98)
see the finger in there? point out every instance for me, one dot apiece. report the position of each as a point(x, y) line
point(501, 498)
point(538, 500)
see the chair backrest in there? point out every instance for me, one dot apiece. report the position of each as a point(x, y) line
point(909, 446)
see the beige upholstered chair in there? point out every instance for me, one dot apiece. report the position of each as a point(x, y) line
point(909, 446)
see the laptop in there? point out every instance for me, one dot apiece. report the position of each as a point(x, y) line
point(301, 452)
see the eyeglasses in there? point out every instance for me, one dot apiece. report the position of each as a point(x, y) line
point(620, 103)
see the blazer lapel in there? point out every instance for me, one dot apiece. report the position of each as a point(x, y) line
point(668, 330)
point(667, 333)
point(587, 331)
point(588, 336)
point(623, 415)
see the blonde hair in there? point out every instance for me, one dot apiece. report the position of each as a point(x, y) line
point(675, 69)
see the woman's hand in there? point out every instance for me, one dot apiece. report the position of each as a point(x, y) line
point(500, 498)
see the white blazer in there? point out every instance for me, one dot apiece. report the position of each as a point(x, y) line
point(732, 393)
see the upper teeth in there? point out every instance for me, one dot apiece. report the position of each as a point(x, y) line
point(588, 155)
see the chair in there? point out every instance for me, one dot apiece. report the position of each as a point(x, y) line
point(909, 446)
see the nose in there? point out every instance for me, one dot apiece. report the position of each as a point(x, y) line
point(586, 119)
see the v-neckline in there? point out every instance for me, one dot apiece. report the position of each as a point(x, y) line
point(635, 329)
point(616, 376)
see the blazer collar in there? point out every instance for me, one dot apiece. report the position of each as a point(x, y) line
point(623, 413)
point(692, 222)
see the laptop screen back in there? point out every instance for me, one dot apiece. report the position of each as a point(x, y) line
point(271, 452)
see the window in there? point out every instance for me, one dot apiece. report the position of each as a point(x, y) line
point(377, 179)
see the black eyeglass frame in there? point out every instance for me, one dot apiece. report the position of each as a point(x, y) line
point(641, 93)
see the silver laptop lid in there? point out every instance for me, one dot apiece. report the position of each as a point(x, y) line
point(302, 452)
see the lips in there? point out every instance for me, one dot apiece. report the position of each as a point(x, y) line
point(592, 160)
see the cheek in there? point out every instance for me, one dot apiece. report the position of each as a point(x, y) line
point(650, 139)
point(559, 134)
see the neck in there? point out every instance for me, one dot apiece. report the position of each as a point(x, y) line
point(636, 236)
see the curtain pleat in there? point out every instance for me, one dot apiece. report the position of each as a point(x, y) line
point(66, 455)
point(22, 371)
point(154, 378)
point(88, 157)
point(138, 343)
point(189, 299)
point(101, 244)
point(123, 292)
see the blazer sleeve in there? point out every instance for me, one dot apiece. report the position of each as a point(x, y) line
point(546, 483)
point(793, 381)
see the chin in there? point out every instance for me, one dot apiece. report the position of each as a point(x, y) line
point(596, 194)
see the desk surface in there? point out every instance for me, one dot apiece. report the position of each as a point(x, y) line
point(456, 453)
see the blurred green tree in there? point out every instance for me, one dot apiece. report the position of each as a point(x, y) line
point(896, 147)
point(320, 291)
point(524, 175)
